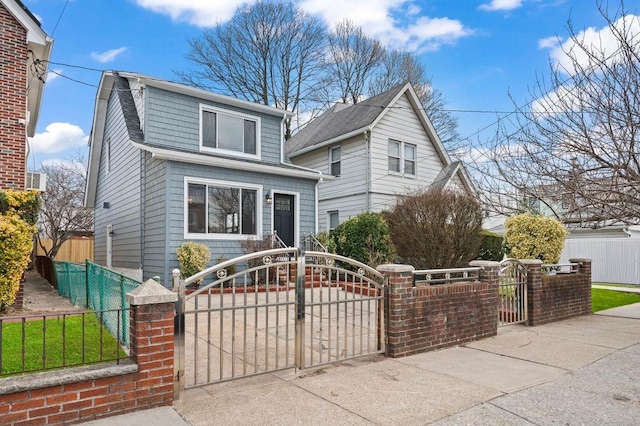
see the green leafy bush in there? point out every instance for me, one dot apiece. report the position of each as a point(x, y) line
point(193, 258)
point(436, 229)
point(16, 244)
point(327, 241)
point(365, 238)
point(492, 247)
point(25, 204)
point(529, 236)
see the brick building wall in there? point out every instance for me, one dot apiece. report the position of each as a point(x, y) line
point(425, 318)
point(13, 101)
point(147, 382)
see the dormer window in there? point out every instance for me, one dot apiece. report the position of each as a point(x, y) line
point(230, 133)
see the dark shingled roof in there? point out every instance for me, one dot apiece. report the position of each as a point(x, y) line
point(341, 119)
point(128, 105)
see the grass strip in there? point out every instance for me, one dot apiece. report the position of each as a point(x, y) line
point(56, 343)
point(605, 299)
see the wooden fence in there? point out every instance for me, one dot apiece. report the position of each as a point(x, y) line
point(75, 250)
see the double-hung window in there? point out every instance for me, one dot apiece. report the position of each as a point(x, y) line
point(220, 209)
point(334, 219)
point(227, 131)
point(334, 160)
point(402, 158)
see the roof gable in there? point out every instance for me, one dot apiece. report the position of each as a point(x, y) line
point(342, 119)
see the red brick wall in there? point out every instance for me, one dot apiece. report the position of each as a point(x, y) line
point(425, 318)
point(13, 101)
point(557, 297)
point(152, 386)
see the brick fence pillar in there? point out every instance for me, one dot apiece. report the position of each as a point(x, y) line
point(489, 272)
point(152, 341)
point(535, 291)
point(584, 271)
point(398, 302)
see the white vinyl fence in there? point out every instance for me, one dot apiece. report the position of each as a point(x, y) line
point(615, 260)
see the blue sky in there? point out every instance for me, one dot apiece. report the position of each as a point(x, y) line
point(477, 51)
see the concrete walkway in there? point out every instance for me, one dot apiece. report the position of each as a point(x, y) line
point(614, 288)
point(578, 371)
point(574, 372)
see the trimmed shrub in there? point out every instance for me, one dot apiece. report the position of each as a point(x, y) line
point(529, 236)
point(25, 204)
point(364, 238)
point(193, 258)
point(492, 247)
point(436, 229)
point(327, 241)
point(16, 244)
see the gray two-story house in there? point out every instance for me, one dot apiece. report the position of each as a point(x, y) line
point(171, 163)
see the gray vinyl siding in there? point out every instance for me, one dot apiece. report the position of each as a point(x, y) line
point(401, 123)
point(172, 120)
point(155, 229)
point(229, 248)
point(346, 193)
point(120, 187)
point(347, 207)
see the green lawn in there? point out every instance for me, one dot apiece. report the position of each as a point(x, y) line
point(605, 299)
point(62, 346)
point(617, 285)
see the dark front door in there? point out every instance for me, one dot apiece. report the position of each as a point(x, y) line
point(284, 217)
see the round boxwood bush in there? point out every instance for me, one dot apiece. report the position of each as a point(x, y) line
point(364, 238)
point(492, 247)
point(533, 236)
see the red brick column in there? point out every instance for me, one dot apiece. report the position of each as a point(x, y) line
point(535, 309)
point(152, 342)
point(399, 301)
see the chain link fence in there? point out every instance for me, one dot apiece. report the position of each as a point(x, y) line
point(98, 288)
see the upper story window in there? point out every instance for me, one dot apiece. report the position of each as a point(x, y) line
point(218, 209)
point(334, 160)
point(402, 158)
point(231, 132)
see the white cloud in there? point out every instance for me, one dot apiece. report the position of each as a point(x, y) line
point(58, 137)
point(603, 44)
point(549, 42)
point(109, 55)
point(415, 32)
point(496, 5)
point(202, 13)
point(53, 74)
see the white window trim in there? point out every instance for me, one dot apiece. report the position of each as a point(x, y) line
point(331, 160)
point(226, 184)
point(227, 152)
point(402, 159)
point(296, 212)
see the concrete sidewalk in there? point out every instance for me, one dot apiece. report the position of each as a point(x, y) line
point(578, 371)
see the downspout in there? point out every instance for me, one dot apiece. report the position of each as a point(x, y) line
point(283, 162)
point(367, 147)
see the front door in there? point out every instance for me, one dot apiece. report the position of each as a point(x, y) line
point(284, 217)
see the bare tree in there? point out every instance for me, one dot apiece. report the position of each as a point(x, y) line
point(63, 214)
point(352, 60)
point(574, 153)
point(399, 67)
point(267, 53)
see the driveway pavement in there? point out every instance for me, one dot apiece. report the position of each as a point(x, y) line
point(581, 371)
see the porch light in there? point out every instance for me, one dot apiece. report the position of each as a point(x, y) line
point(268, 199)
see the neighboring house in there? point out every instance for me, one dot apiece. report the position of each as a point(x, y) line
point(24, 54)
point(170, 163)
point(377, 149)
